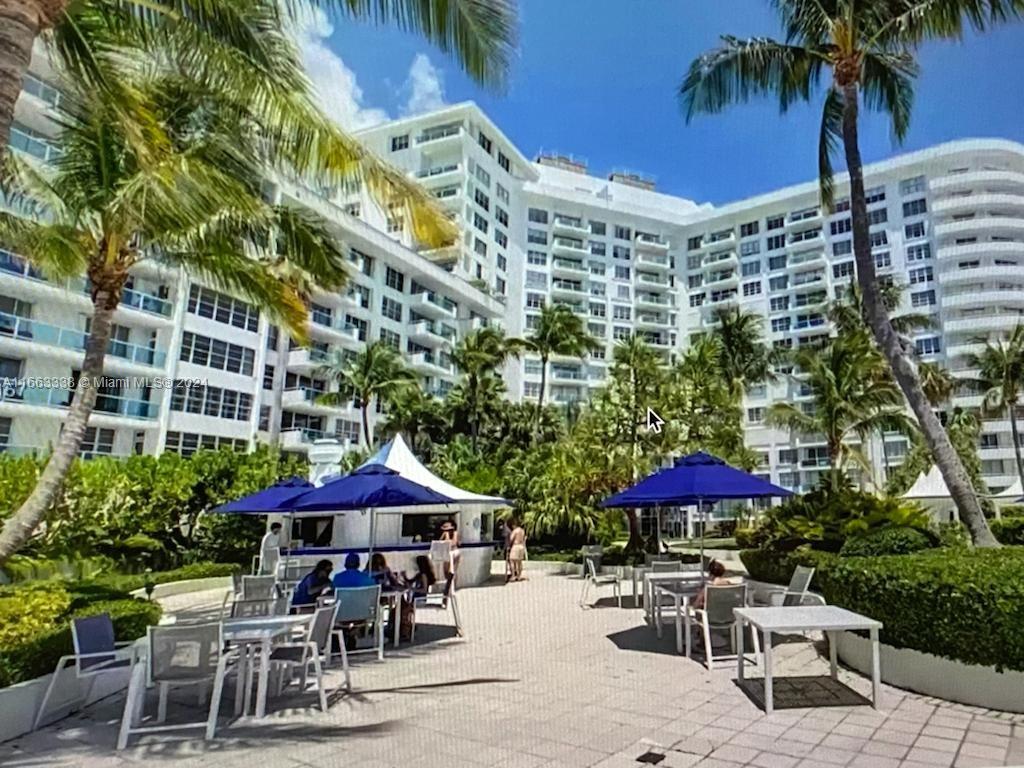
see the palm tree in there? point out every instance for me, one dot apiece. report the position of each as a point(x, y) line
point(744, 359)
point(868, 49)
point(1001, 375)
point(411, 412)
point(854, 396)
point(559, 331)
point(377, 371)
point(188, 195)
point(478, 356)
point(222, 41)
point(937, 382)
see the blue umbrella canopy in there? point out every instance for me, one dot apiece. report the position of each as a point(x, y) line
point(369, 487)
point(276, 498)
point(693, 479)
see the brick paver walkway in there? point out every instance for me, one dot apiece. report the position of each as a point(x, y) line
point(538, 681)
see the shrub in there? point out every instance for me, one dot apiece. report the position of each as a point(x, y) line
point(726, 528)
point(887, 541)
point(749, 538)
point(1012, 510)
point(953, 535)
point(1008, 530)
point(777, 567)
point(964, 605)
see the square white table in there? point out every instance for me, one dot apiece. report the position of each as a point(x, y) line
point(664, 577)
point(680, 592)
point(829, 619)
point(258, 631)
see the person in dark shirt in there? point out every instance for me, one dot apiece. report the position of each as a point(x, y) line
point(314, 584)
point(352, 576)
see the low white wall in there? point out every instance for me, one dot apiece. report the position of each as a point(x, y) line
point(935, 676)
point(188, 585)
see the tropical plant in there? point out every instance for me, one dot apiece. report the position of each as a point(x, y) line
point(744, 359)
point(868, 49)
point(479, 355)
point(853, 397)
point(559, 331)
point(227, 43)
point(375, 372)
point(415, 415)
point(185, 195)
point(1001, 376)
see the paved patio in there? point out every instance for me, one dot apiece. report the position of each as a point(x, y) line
point(539, 682)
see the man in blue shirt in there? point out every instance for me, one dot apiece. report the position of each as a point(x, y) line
point(352, 576)
point(314, 584)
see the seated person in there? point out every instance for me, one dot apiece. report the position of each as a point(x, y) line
point(716, 573)
point(314, 584)
point(352, 576)
point(381, 574)
point(419, 584)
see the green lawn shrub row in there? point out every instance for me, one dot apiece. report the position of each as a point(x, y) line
point(1008, 530)
point(887, 541)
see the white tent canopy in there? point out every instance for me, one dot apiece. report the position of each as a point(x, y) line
point(1011, 494)
point(395, 454)
point(929, 485)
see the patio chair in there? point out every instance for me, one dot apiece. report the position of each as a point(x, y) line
point(592, 578)
point(259, 587)
point(595, 551)
point(717, 614)
point(236, 583)
point(96, 653)
point(312, 649)
point(649, 559)
point(244, 609)
point(178, 655)
point(669, 566)
point(440, 596)
point(793, 595)
point(359, 608)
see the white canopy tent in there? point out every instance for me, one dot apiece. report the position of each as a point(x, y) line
point(931, 492)
point(1010, 495)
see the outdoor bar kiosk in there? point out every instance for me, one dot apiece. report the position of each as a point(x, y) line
point(400, 534)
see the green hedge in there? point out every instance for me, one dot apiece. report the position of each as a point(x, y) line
point(963, 605)
point(887, 541)
point(130, 582)
point(1008, 530)
point(777, 567)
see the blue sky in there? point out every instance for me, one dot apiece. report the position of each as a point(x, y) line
point(598, 79)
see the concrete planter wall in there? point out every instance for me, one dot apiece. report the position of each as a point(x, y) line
point(935, 676)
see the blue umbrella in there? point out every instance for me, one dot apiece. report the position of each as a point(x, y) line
point(694, 479)
point(369, 487)
point(276, 498)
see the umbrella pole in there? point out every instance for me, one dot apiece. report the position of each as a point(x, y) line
point(700, 510)
point(373, 533)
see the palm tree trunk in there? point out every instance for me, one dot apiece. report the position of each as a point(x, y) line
point(474, 416)
point(1015, 435)
point(540, 394)
point(636, 541)
point(23, 523)
point(366, 423)
point(20, 23)
point(946, 458)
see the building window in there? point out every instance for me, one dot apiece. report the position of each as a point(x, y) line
point(922, 299)
point(484, 142)
point(749, 268)
point(621, 273)
point(215, 353)
point(722, 234)
point(920, 275)
point(874, 195)
point(989, 440)
point(500, 238)
point(777, 262)
point(222, 308)
point(697, 300)
point(534, 300)
point(483, 176)
point(501, 215)
point(211, 401)
point(749, 229)
point(695, 281)
point(479, 247)
point(501, 193)
point(775, 222)
point(752, 288)
point(878, 239)
point(912, 186)
point(780, 324)
point(623, 233)
point(693, 243)
point(480, 223)
point(620, 252)
point(268, 377)
point(537, 258)
point(840, 227)
point(482, 200)
point(883, 260)
point(750, 247)
point(842, 270)
point(842, 248)
point(537, 236)
point(536, 279)
point(915, 207)
point(598, 228)
point(399, 142)
point(841, 206)
point(755, 415)
point(914, 231)
point(928, 346)
point(391, 338)
point(504, 162)
point(394, 279)
point(779, 303)
point(621, 313)
point(502, 263)
point(391, 309)
point(878, 216)
point(775, 242)
point(97, 442)
point(187, 443)
point(779, 283)
point(598, 310)
point(921, 252)
point(537, 216)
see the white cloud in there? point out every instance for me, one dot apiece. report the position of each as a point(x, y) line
point(337, 90)
point(426, 87)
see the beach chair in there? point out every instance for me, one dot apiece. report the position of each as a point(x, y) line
point(96, 654)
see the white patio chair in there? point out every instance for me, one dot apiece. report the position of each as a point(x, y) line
point(717, 614)
point(259, 587)
point(592, 578)
point(359, 608)
point(670, 566)
point(312, 650)
point(440, 597)
point(793, 595)
point(96, 654)
point(246, 609)
point(177, 655)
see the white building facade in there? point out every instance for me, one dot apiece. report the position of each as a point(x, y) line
point(947, 223)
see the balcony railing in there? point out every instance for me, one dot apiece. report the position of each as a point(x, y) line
point(27, 329)
point(430, 172)
point(42, 91)
point(25, 142)
point(145, 302)
point(441, 132)
point(105, 403)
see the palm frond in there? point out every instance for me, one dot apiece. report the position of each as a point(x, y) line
point(60, 251)
point(830, 140)
point(887, 83)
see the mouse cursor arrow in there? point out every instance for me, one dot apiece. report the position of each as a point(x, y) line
point(654, 422)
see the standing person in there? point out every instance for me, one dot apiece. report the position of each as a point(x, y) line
point(270, 550)
point(517, 550)
point(506, 543)
point(450, 533)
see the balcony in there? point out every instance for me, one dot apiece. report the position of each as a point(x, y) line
point(570, 288)
point(649, 278)
point(721, 259)
point(567, 374)
point(300, 438)
point(982, 226)
point(807, 258)
point(449, 173)
point(1011, 297)
point(444, 256)
point(722, 278)
point(978, 250)
point(568, 245)
point(306, 360)
point(989, 322)
point(971, 180)
point(429, 364)
point(805, 217)
point(33, 144)
point(653, 261)
point(439, 138)
point(431, 334)
point(568, 267)
point(570, 225)
point(989, 201)
point(804, 241)
point(808, 278)
point(24, 329)
point(308, 401)
point(651, 243)
point(651, 320)
point(145, 302)
point(430, 304)
point(335, 330)
point(652, 300)
point(106, 404)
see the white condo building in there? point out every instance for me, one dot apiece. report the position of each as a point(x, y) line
point(947, 223)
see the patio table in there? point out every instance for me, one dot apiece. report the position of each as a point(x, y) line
point(258, 631)
point(829, 619)
point(681, 593)
point(663, 577)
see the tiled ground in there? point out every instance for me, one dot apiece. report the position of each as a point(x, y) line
point(539, 682)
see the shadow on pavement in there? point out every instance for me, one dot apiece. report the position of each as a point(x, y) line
point(800, 692)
